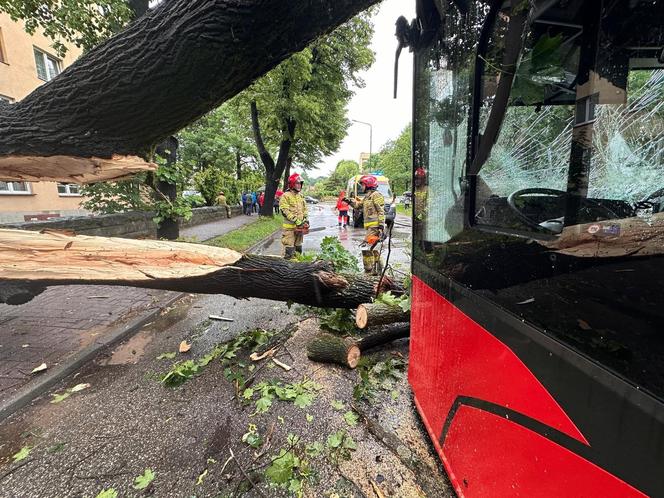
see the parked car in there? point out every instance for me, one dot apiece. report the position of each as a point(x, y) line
point(311, 200)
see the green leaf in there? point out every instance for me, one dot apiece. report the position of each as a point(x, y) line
point(335, 440)
point(338, 405)
point(349, 443)
point(22, 454)
point(108, 493)
point(144, 480)
point(166, 356)
point(310, 418)
point(303, 400)
point(351, 418)
point(248, 393)
point(394, 394)
point(314, 449)
point(281, 469)
point(263, 404)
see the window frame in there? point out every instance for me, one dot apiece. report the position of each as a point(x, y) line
point(11, 190)
point(68, 192)
point(45, 56)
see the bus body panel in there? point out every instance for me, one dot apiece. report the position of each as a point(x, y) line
point(497, 429)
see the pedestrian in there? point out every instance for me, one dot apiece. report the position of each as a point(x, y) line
point(261, 200)
point(342, 209)
point(277, 198)
point(294, 210)
point(246, 203)
point(221, 201)
point(254, 202)
point(373, 210)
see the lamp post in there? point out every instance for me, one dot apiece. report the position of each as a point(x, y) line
point(370, 136)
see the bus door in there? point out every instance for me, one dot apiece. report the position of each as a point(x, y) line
point(537, 342)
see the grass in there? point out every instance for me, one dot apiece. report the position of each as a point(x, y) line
point(401, 209)
point(247, 235)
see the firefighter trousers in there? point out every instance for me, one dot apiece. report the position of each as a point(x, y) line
point(291, 241)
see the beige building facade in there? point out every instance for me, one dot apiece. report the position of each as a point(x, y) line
point(26, 62)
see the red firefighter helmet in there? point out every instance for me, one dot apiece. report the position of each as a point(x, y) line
point(294, 179)
point(369, 181)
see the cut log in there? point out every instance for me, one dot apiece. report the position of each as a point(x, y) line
point(384, 335)
point(31, 261)
point(328, 348)
point(165, 70)
point(374, 314)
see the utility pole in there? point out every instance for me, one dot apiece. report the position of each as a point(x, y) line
point(370, 136)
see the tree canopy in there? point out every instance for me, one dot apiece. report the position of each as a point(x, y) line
point(394, 160)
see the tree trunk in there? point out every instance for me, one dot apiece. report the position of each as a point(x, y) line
point(287, 173)
point(328, 348)
point(383, 336)
point(238, 166)
point(168, 229)
point(167, 69)
point(58, 258)
point(373, 314)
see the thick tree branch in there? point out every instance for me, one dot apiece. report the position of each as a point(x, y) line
point(165, 70)
point(64, 259)
point(264, 154)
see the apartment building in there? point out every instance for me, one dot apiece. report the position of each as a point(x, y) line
point(27, 61)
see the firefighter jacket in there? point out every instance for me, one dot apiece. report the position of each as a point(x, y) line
point(293, 208)
point(373, 209)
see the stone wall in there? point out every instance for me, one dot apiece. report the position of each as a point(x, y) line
point(132, 225)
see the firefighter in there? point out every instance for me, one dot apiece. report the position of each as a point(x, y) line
point(294, 210)
point(373, 211)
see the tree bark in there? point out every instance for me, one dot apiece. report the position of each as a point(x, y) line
point(384, 335)
point(58, 258)
point(373, 314)
point(273, 170)
point(167, 69)
point(328, 348)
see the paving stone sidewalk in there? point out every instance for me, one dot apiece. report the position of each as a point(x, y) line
point(64, 320)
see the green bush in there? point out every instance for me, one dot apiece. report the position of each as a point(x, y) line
point(196, 201)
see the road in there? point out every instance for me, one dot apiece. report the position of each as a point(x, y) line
point(323, 216)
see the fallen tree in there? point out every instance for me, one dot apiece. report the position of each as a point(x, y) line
point(101, 118)
point(32, 261)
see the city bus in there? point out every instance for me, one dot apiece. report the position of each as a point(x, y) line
point(537, 327)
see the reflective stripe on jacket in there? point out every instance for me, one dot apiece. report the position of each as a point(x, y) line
point(373, 209)
point(293, 208)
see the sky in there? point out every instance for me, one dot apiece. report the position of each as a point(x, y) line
point(374, 103)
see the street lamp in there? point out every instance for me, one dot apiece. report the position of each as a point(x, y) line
point(370, 136)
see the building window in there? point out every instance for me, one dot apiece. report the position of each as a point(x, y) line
point(3, 56)
point(48, 67)
point(68, 189)
point(20, 188)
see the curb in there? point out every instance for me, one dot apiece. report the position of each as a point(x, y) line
point(73, 363)
point(261, 242)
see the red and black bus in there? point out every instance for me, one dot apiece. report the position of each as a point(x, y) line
point(537, 343)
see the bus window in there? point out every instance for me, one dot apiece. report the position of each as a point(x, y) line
point(442, 88)
point(563, 221)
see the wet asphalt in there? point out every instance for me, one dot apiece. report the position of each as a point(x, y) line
point(324, 223)
point(106, 435)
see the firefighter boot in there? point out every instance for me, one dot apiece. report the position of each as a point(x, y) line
point(298, 249)
point(377, 263)
point(368, 261)
point(289, 252)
